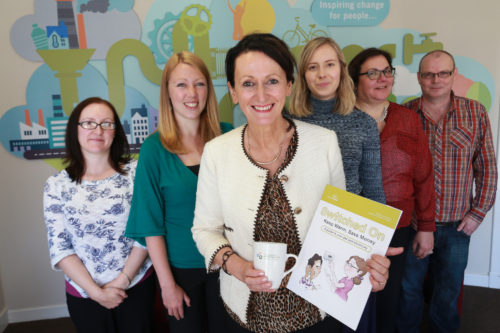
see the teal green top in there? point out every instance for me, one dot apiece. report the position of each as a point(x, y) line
point(163, 202)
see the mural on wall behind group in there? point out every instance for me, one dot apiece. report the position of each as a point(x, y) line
point(99, 48)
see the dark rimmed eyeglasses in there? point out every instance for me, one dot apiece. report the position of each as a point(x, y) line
point(91, 125)
point(430, 75)
point(374, 74)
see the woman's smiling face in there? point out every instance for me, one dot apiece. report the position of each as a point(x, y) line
point(187, 89)
point(323, 73)
point(372, 91)
point(260, 88)
point(96, 141)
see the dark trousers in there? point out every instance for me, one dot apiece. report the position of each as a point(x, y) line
point(205, 312)
point(388, 299)
point(134, 315)
point(368, 320)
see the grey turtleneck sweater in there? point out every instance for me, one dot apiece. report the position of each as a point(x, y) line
point(359, 144)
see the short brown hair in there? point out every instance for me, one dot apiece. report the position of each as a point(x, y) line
point(270, 45)
point(313, 259)
point(434, 52)
point(362, 57)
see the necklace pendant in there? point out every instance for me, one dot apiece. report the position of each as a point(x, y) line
point(384, 115)
point(274, 159)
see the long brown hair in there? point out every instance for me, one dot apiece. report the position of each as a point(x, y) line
point(119, 152)
point(300, 101)
point(362, 269)
point(209, 119)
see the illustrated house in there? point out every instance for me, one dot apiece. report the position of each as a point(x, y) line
point(140, 124)
point(58, 37)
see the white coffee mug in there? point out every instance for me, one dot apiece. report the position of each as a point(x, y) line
point(271, 258)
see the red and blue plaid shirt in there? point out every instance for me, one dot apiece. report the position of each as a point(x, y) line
point(462, 151)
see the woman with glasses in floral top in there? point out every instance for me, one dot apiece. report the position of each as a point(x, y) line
point(109, 285)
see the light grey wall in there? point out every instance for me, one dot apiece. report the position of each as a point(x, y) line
point(3, 309)
point(29, 285)
point(27, 280)
point(2, 302)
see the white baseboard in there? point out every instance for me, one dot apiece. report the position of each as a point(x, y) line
point(40, 313)
point(495, 280)
point(4, 320)
point(477, 280)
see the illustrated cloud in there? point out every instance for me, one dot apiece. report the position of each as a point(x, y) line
point(101, 6)
point(95, 6)
point(125, 24)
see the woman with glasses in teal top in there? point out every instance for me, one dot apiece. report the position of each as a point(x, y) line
point(163, 202)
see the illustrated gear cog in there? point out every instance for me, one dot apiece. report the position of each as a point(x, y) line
point(195, 25)
point(161, 37)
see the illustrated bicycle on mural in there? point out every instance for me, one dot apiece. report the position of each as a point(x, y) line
point(299, 36)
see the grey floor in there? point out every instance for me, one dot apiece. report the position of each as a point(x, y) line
point(480, 313)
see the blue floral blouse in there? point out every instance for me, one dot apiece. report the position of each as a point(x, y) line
point(89, 220)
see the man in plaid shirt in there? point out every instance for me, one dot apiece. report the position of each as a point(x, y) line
point(461, 146)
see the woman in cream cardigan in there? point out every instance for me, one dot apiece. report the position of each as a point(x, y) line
point(262, 182)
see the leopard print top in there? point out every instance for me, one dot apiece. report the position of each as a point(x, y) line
point(282, 310)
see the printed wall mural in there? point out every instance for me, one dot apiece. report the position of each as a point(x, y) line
point(99, 48)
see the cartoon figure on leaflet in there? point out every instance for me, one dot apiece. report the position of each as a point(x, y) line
point(237, 16)
point(313, 268)
point(354, 269)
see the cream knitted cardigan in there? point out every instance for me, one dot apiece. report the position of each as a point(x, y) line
point(229, 191)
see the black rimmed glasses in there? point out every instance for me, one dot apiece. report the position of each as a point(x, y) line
point(441, 75)
point(374, 74)
point(91, 125)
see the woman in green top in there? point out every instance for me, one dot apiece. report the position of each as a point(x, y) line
point(164, 196)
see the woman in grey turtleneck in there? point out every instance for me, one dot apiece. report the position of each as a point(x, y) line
point(323, 94)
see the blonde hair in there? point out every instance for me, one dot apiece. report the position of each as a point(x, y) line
point(300, 101)
point(209, 119)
